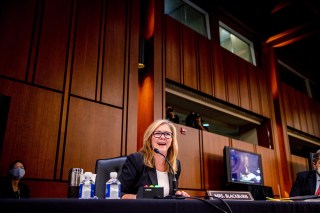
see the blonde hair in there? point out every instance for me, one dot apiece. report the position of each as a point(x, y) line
point(147, 150)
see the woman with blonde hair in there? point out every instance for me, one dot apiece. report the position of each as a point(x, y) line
point(148, 166)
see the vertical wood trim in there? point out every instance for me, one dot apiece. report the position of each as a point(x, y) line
point(172, 50)
point(189, 58)
point(204, 65)
point(66, 93)
point(219, 73)
point(286, 105)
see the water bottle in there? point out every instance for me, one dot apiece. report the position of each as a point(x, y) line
point(86, 189)
point(113, 187)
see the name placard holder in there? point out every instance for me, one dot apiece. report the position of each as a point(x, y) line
point(230, 195)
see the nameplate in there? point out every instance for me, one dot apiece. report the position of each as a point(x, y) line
point(230, 195)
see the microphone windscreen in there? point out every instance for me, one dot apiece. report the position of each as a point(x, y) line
point(156, 150)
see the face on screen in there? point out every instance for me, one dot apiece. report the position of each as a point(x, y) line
point(245, 167)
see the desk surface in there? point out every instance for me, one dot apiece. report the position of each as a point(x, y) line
point(153, 206)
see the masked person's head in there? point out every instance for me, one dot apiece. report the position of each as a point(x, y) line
point(16, 170)
point(316, 162)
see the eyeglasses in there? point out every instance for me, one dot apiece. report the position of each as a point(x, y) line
point(167, 135)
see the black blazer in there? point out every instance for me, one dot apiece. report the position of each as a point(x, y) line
point(135, 174)
point(305, 184)
point(6, 190)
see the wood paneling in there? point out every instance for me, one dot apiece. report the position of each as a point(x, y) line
point(243, 77)
point(93, 132)
point(254, 89)
point(219, 73)
point(315, 116)
point(306, 103)
point(45, 189)
point(16, 25)
point(298, 164)
point(264, 93)
point(205, 66)
point(301, 111)
point(115, 50)
point(230, 69)
point(172, 50)
point(269, 166)
point(53, 43)
point(213, 164)
point(190, 76)
point(242, 145)
point(286, 103)
point(32, 129)
point(85, 64)
point(294, 106)
point(189, 156)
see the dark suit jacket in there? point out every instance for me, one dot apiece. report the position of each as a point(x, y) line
point(305, 184)
point(136, 174)
point(6, 190)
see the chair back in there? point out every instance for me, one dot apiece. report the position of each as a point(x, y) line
point(103, 169)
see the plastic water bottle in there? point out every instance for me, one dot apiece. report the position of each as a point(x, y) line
point(113, 187)
point(86, 189)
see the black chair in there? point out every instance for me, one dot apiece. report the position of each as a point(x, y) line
point(103, 169)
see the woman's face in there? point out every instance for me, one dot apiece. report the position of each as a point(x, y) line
point(162, 138)
point(18, 165)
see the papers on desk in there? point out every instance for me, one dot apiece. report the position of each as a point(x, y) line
point(308, 198)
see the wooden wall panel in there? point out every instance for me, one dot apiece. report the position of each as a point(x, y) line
point(15, 37)
point(269, 166)
point(244, 93)
point(294, 106)
point(264, 93)
point(85, 64)
point(115, 51)
point(93, 132)
point(254, 89)
point(298, 164)
point(219, 73)
point(189, 156)
point(32, 129)
point(213, 164)
point(237, 144)
point(205, 66)
point(172, 50)
point(231, 73)
point(189, 59)
point(315, 116)
point(46, 189)
point(286, 103)
point(306, 101)
point(53, 43)
point(302, 111)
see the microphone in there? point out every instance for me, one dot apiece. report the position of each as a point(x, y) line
point(174, 180)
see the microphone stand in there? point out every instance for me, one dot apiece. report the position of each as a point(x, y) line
point(174, 179)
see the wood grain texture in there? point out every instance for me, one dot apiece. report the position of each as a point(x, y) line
point(93, 132)
point(213, 163)
point(189, 156)
point(32, 129)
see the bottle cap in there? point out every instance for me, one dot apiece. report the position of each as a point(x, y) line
point(87, 174)
point(113, 175)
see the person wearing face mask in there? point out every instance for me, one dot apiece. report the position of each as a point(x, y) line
point(149, 167)
point(12, 187)
point(308, 182)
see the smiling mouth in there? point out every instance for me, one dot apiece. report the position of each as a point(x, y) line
point(162, 143)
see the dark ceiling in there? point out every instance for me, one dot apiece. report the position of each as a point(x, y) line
point(295, 21)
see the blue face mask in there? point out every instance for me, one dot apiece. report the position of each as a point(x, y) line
point(17, 173)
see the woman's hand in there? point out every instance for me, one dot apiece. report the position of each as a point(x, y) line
point(182, 193)
point(129, 196)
